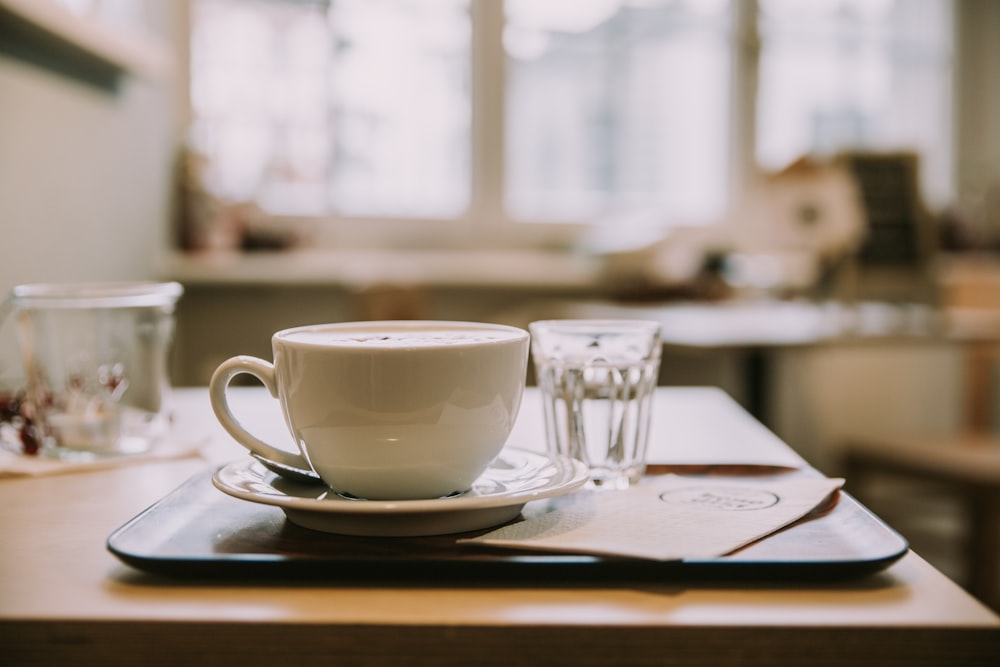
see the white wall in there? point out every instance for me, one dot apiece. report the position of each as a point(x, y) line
point(83, 177)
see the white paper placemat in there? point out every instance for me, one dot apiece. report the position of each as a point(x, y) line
point(668, 517)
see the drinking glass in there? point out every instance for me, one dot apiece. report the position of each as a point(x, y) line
point(597, 379)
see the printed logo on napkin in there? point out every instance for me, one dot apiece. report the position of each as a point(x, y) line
point(666, 518)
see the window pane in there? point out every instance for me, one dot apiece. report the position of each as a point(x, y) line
point(870, 74)
point(258, 76)
point(617, 108)
point(362, 108)
point(401, 107)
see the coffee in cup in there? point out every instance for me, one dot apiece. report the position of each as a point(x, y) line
point(388, 410)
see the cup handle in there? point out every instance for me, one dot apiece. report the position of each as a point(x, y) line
point(263, 371)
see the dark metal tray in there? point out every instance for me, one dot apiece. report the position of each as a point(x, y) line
point(197, 531)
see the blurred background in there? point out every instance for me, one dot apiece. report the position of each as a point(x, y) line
point(805, 193)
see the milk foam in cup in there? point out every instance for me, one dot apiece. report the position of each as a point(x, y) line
point(388, 410)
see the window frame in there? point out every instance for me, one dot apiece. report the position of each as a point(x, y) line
point(485, 222)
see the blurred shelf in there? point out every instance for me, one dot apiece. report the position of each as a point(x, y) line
point(46, 34)
point(358, 269)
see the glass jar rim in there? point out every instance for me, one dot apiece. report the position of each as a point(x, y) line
point(95, 294)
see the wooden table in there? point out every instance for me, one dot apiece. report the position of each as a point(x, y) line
point(64, 599)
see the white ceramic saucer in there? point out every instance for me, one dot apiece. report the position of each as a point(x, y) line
point(514, 478)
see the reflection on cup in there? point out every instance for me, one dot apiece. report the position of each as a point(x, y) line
point(597, 379)
point(95, 358)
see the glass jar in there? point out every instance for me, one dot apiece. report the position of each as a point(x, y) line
point(96, 367)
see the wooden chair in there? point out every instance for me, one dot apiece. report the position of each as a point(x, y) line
point(964, 467)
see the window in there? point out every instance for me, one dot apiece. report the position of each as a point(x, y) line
point(615, 108)
point(487, 119)
point(401, 107)
point(848, 74)
point(361, 109)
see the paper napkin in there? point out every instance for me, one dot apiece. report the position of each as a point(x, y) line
point(19, 465)
point(666, 518)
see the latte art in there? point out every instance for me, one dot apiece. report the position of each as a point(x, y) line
point(403, 338)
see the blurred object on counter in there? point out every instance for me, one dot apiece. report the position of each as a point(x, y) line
point(896, 260)
point(809, 207)
point(792, 229)
point(198, 223)
point(205, 222)
point(973, 224)
point(684, 264)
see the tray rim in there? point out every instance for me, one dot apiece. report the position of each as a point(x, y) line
point(485, 563)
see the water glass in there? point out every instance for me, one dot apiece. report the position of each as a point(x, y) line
point(95, 360)
point(597, 379)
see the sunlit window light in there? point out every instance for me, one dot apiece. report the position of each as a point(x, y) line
point(612, 109)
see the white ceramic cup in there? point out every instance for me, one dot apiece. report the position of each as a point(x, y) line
point(388, 410)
